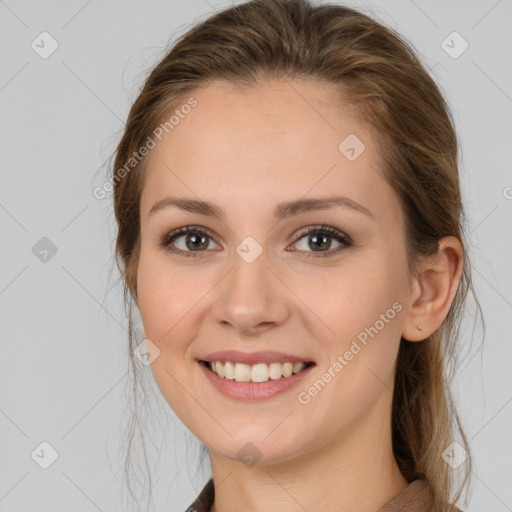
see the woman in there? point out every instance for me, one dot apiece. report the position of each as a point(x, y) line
point(290, 229)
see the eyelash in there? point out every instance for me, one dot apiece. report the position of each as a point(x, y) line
point(344, 240)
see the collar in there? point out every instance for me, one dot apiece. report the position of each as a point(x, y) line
point(414, 498)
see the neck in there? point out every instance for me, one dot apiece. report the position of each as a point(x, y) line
point(355, 472)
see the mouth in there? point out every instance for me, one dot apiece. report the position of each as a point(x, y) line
point(255, 382)
point(256, 373)
point(254, 376)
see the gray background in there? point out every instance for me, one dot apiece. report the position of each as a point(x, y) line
point(64, 364)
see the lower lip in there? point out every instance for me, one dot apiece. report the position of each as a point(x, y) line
point(253, 391)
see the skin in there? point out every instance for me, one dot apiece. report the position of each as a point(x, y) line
point(279, 141)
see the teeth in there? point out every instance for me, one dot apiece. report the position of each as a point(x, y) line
point(242, 372)
point(260, 372)
point(219, 369)
point(287, 369)
point(229, 370)
point(297, 367)
point(276, 370)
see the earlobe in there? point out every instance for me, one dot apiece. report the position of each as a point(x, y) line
point(433, 291)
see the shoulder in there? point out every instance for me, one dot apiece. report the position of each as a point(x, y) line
point(416, 497)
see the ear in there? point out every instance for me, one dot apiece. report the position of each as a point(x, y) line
point(433, 290)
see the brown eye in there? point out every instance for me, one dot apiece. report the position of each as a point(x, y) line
point(187, 241)
point(195, 241)
point(320, 240)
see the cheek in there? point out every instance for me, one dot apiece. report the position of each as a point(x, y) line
point(348, 298)
point(164, 302)
point(164, 296)
point(165, 305)
point(361, 307)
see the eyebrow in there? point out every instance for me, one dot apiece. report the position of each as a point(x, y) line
point(281, 211)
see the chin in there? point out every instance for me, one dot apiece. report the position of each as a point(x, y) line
point(258, 450)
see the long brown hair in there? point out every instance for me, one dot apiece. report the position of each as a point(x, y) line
point(380, 76)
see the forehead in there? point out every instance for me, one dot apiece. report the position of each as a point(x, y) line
point(278, 140)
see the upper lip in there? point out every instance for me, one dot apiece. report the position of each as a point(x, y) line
point(251, 358)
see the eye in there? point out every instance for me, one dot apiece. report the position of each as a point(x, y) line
point(320, 237)
point(195, 240)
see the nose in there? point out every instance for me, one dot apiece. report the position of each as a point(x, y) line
point(251, 298)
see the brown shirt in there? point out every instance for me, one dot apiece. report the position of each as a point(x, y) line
point(414, 498)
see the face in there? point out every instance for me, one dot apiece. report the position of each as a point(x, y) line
point(268, 280)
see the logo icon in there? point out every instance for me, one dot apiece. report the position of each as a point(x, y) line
point(146, 352)
point(44, 250)
point(351, 147)
point(249, 454)
point(44, 455)
point(454, 455)
point(454, 45)
point(44, 45)
point(249, 249)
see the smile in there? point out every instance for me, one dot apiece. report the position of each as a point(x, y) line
point(260, 372)
point(254, 377)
